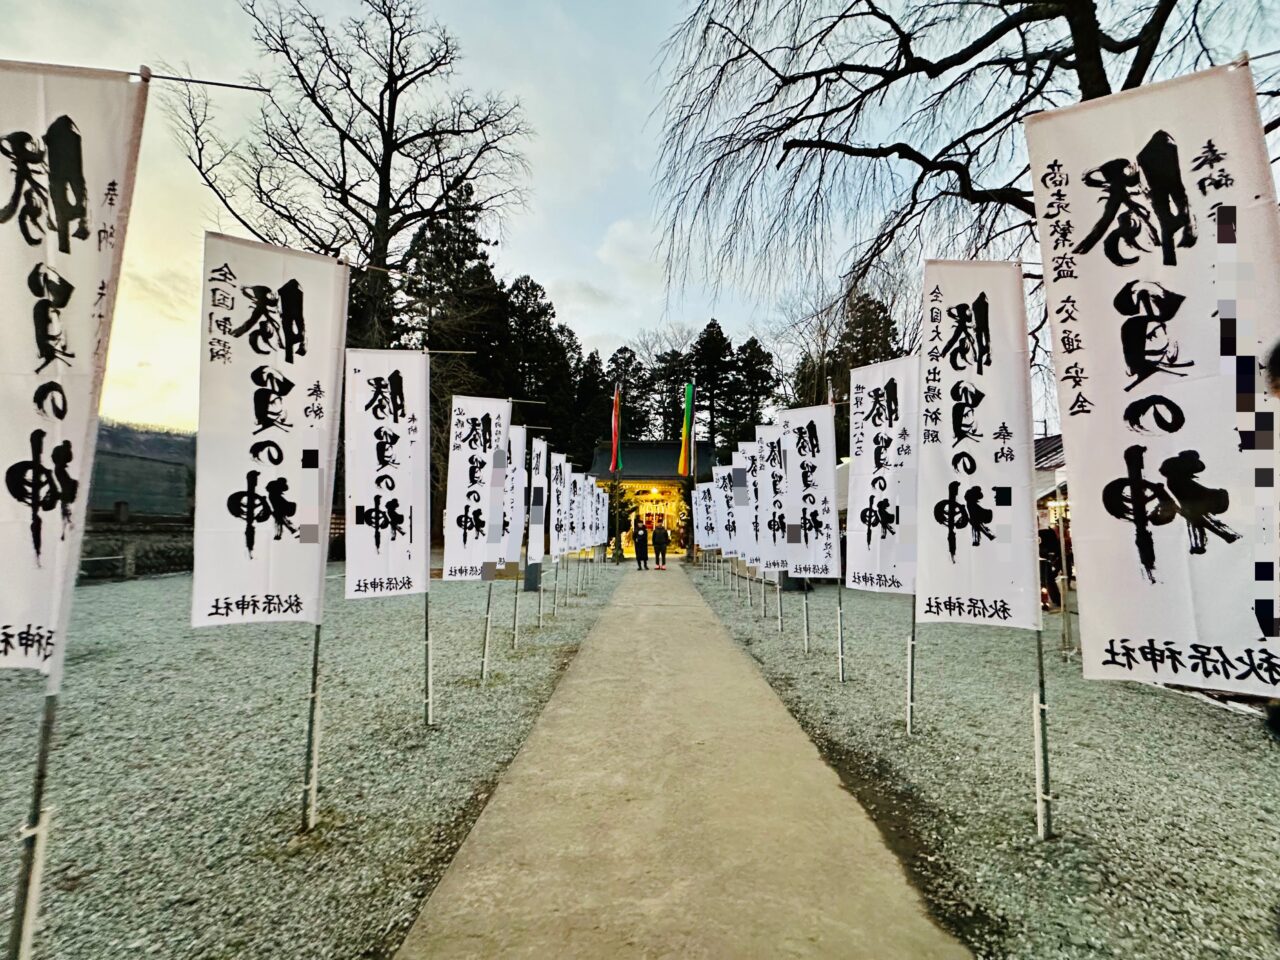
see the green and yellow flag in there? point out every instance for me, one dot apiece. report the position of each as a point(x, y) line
point(686, 433)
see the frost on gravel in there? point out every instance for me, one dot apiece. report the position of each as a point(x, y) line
point(178, 763)
point(1167, 808)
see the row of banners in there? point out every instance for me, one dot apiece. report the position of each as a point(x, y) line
point(1160, 241)
point(1159, 237)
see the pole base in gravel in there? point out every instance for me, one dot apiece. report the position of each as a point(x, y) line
point(667, 804)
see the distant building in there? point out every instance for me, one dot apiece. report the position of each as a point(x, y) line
point(1050, 458)
point(128, 485)
point(649, 476)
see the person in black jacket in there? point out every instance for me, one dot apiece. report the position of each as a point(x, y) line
point(640, 540)
point(661, 537)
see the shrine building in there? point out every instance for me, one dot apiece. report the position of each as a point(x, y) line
point(648, 475)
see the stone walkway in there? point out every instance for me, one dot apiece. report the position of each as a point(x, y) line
point(667, 805)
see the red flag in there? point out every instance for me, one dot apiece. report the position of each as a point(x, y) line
point(616, 463)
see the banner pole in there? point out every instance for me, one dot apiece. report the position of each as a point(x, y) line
point(764, 594)
point(1040, 731)
point(488, 620)
point(806, 614)
point(911, 670)
point(515, 616)
point(840, 629)
point(311, 788)
point(1066, 576)
point(555, 589)
point(540, 571)
point(750, 602)
point(779, 599)
point(429, 706)
point(26, 897)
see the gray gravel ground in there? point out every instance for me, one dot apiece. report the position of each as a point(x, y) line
point(1167, 812)
point(177, 769)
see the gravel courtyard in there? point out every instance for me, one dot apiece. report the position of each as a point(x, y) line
point(177, 768)
point(1168, 810)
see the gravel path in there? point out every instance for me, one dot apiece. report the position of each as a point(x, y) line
point(1167, 816)
point(177, 769)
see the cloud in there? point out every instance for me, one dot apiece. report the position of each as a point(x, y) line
point(629, 248)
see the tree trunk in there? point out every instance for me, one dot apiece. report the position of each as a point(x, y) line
point(1082, 15)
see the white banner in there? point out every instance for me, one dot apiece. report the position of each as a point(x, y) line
point(69, 139)
point(706, 531)
point(591, 496)
point(773, 484)
point(977, 553)
point(726, 513)
point(537, 500)
point(388, 542)
point(559, 509)
point(750, 513)
point(274, 325)
point(809, 495)
point(573, 504)
point(1158, 225)
point(881, 525)
point(474, 497)
point(517, 485)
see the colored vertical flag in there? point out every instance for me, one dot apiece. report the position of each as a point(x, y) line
point(686, 432)
point(615, 464)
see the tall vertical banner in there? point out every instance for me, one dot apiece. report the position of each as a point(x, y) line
point(883, 446)
point(273, 327)
point(706, 531)
point(591, 506)
point(809, 496)
point(977, 553)
point(722, 481)
point(537, 500)
point(559, 511)
point(517, 484)
point(388, 522)
point(1157, 218)
point(575, 510)
point(750, 512)
point(70, 143)
point(772, 508)
point(474, 497)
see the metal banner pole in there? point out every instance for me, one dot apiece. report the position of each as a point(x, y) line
point(750, 602)
point(1040, 731)
point(540, 572)
point(840, 630)
point(764, 593)
point(555, 590)
point(26, 897)
point(311, 789)
point(488, 620)
point(1066, 576)
point(429, 705)
point(779, 599)
point(806, 614)
point(515, 616)
point(911, 670)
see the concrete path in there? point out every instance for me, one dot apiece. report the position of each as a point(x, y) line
point(667, 805)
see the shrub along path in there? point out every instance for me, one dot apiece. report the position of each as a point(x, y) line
point(667, 804)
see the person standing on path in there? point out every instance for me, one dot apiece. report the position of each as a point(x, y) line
point(661, 537)
point(640, 539)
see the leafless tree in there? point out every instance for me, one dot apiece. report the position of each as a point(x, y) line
point(669, 335)
point(798, 131)
point(363, 138)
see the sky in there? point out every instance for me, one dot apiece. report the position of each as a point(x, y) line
point(585, 72)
